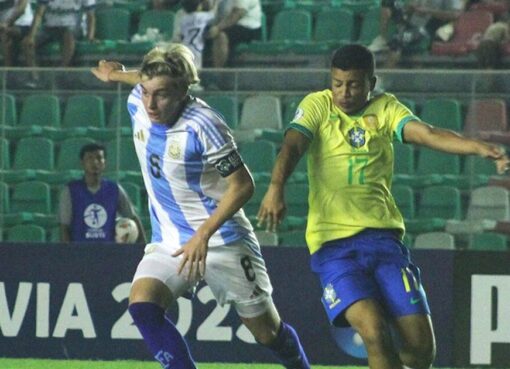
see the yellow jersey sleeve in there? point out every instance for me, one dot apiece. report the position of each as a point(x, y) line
point(310, 114)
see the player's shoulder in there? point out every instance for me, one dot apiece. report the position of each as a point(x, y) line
point(200, 115)
point(318, 99)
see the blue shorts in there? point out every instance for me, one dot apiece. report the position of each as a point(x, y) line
point(373, 264)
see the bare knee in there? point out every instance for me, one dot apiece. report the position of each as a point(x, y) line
point(265, 328)
point(150, 290)
point(418, 356)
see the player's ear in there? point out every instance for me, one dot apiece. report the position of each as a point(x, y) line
point(373, 81)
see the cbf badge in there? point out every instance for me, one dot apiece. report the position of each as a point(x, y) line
point(356, 137)
point(330, 296)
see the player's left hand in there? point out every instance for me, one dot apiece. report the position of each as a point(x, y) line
point(194, 254)
point(498, 154)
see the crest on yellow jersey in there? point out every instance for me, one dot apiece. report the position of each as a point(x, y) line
point(371, 121)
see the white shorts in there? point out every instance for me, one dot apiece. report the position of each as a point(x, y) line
point(235, 273)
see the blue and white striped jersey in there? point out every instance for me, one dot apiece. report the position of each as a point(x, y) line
point(177, 164)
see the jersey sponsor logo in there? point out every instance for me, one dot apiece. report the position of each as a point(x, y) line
point(357, 137)
point(174, 150)
point(371, 121)
point(330, 296)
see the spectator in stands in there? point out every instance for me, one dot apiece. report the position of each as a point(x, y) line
point(416, 21)
point(238, 21)
point(191, 23)
point(489, 51)
point(89, 206)
point(15, 24)
point(354, 229)
point(58, 20)
point(164, 4)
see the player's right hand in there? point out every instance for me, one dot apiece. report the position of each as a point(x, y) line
point(272, 209)
point(104, 68)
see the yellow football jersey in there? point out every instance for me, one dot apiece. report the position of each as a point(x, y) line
point(350, 165)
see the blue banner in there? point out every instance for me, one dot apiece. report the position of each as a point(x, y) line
point(70, 301)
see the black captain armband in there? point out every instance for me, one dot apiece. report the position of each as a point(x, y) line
point(229, 164)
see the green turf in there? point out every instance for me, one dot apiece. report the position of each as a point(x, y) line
point(124, 364)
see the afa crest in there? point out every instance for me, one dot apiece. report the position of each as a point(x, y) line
point(174, 150)
point(356, 137)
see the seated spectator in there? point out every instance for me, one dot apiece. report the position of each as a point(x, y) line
point(488, 52)
point(15, 24)
point(415, 20)
point(191, 24)
point(58, 20)
point(88, 207)
point(238, 21)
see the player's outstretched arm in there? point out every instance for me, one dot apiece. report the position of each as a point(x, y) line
point(272, 209)
point(112, 71)
point(452, 142)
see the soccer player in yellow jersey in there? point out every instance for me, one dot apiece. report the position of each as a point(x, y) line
point(354, 228)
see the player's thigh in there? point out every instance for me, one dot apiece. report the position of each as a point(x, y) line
point(237, 274)
point(156, 278)
point(400, 286)
point(416, 334)
point(368, 318)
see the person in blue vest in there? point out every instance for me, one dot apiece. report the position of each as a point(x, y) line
point(89, 206)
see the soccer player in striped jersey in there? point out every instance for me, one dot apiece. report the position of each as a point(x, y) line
point(354, 228)
point(197, 183)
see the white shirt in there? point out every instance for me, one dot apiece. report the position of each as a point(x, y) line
point(7, 8)
point(253, 17)
point(65, 13)
point(192, 29)
point(178, 168)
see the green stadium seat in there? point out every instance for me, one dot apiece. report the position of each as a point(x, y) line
point(370, 26)
point(357, 6)
point(9, 116)
point(435, 167)
point(40, 110)
point(227, 106)
point(437, 205)
point(31, 197)
point(122, 161)
point(84, 115)
point(5, 155)
point(4, 198)
point(333, 27)
point(34, 158)
point(261, 117)
point(26, 233)
point(443, 113)
point(113, 24)
point(119, 120)
point(289, 28)
point(163, 20)
point(259, 157)
point(488, 242)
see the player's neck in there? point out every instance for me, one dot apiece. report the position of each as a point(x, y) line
point(93, 181)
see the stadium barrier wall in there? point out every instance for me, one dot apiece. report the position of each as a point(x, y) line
point(70, 301)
